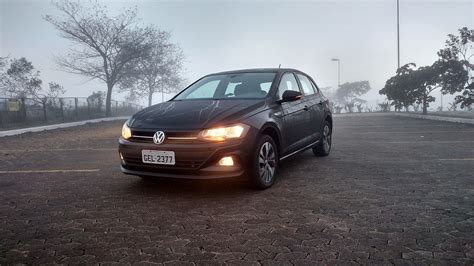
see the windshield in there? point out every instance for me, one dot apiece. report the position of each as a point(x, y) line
point(229, 86)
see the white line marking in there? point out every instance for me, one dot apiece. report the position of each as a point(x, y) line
point(48, 171)
point(459, 159)
point(410, 132)
point(43, 150)
point(397, 126)
point(421, 142)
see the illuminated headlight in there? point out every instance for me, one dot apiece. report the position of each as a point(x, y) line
point(224, 133)
point(126, 132)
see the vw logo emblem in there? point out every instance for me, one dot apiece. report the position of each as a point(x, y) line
point(159, 137)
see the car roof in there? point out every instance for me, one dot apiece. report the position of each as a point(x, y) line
point(257, 70)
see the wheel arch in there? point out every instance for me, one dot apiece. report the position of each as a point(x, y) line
point(329, 119)
point(272, 130)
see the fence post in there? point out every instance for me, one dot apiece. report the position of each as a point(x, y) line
point(61, 105)
point(75, 108)
point(44, 108)
point(23, 109)
point(116, 108)
point(88, 108)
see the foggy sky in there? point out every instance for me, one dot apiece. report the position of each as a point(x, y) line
point(218, 36)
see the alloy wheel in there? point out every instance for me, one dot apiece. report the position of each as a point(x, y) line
point(327, 138)
point(267, 162)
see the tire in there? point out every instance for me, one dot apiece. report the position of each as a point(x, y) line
point(324, 146)
point(264, 166)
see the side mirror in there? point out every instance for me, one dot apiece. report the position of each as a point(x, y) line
point(290, 96)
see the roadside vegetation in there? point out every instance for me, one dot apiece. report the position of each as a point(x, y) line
point(128, 57)
point(452, 73)
point(20, 79)
point(347, 96)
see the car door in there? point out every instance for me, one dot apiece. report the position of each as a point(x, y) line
point(314, 102)
point(294, 115)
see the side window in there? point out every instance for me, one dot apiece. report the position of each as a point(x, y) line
point(316, 89)
point(288, 82)
point(306, 84)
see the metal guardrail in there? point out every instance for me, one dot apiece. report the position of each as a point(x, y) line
point(37, 111)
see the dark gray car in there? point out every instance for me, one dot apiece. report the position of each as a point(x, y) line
point(229, 124)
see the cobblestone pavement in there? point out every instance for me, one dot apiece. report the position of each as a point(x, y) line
point(395, 190)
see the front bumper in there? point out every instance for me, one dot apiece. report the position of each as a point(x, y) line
point(193, 160)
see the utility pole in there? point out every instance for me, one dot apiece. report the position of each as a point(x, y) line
point(441, 96)
point(338, 71)
point(398, 33)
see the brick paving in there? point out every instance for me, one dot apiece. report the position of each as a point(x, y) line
point(395, 190)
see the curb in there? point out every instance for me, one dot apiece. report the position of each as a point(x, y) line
point(57, 126)
point(428, 117)
point(360, 114)
point(439, 118)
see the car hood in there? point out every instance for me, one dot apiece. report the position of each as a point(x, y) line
point(194, 114)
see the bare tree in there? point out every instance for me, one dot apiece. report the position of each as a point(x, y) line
point(105, 44)
point(160, 71)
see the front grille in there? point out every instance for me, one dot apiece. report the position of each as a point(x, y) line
point(190, 153)
point(177, 137)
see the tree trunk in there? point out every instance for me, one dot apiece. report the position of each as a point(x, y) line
point(108, 100)
point(425, 107)
point(150, 96)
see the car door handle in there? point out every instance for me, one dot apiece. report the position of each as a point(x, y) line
point(306, 108)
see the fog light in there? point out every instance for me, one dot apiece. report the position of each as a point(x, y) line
point(226, 161)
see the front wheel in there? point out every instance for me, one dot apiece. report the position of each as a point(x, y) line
point(264, 167)
point(324, 146)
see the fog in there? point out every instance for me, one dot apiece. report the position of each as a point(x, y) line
point(230, 35)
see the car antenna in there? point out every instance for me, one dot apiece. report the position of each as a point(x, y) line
point(279, 65)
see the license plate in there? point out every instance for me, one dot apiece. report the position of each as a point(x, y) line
point(158, 157)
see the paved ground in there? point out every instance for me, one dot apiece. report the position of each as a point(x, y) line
point(394, 190)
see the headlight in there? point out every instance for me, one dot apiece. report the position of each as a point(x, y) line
point(126, 132)
point(223, 133)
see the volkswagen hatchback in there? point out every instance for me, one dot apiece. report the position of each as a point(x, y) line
point(229, 124)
